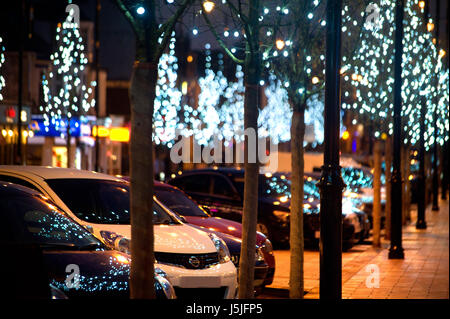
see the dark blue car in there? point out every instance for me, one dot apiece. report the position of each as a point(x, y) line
point(51, 256)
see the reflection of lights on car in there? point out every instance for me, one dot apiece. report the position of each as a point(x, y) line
point(350, 194)
point(284, 199)
point(231, 228)
point(283, 216)
point(122, 259)
point(307, 206)
point(276, 202)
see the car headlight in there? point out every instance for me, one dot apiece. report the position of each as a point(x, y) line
point(267, 247)
point(116, 241)
point(56, 293)
point(221, 247)
point(259, 256)
point(281, 215)
point(123, 245)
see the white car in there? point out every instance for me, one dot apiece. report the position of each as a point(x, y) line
point(196, 263)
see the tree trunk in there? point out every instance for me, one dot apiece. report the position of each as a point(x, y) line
point(296, 241)
point(377, 193)
point(142, 97)
point(388, 161)
point(252, 71)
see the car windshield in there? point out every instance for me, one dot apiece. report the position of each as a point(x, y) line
point(310, 188)
point(274, 186)
point(178, 202)
point(356, 178)
point(29, 219)
point(102, 201)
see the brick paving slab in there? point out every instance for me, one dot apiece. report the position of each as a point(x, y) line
point(423, 274)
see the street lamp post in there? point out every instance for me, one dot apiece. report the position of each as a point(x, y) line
point(396, 249)
point(97, 87)
point(421, 223)
point(331, 184)
point(19, 155)
point(421, 206)
point(435, 206)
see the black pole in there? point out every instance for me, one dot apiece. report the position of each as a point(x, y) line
point(396, 249)
point(444, 172)
point(421, 189)
point(97, 79)
point(331, 184)
point(435, 206)
point(445, 152)
point(421, 223)
point(19, 159)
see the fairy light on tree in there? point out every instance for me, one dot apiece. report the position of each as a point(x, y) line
point(168, 98)
point(370, 71)
point(66, 92)
point(2, 61)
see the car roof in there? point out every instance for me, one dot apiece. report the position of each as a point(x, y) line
point(219, 170)
point(10, 189)
point(48, 172)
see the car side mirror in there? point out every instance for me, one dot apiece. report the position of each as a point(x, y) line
point(207, 210)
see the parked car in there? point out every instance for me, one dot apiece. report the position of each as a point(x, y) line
point(222, 190)
point(182, 204)
point(31, 224)
point(197, 264)
point(359, 183)
point(350, 207)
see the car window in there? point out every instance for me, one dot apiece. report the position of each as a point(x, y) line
point(273, 186)
point(221, 187)
point(194, 183)
point(18, 181)
point(179, 203)
point(28, 219)
point(101, 201)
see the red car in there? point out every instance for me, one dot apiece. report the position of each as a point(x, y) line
point(183, 205)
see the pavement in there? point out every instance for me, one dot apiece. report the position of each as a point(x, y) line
point(367, 273)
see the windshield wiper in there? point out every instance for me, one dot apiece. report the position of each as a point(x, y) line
point(69, 246)
point(91, 246)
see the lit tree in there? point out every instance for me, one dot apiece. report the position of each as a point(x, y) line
point(212, 88)
point(371, 71)
point(287, 37)
point(168, 98)
point(247, 26)
point(295, 44)
point(2, 60)
point(66, 94)
point(153, 35)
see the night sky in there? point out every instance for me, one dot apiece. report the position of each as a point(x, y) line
point(117, 49)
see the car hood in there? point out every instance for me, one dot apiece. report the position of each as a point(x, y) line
point(178, 238)
point(100, 272)
point(223, 226)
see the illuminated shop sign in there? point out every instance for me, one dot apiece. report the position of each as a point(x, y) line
point(78, 127)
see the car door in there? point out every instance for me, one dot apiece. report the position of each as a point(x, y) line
point(224, 200)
